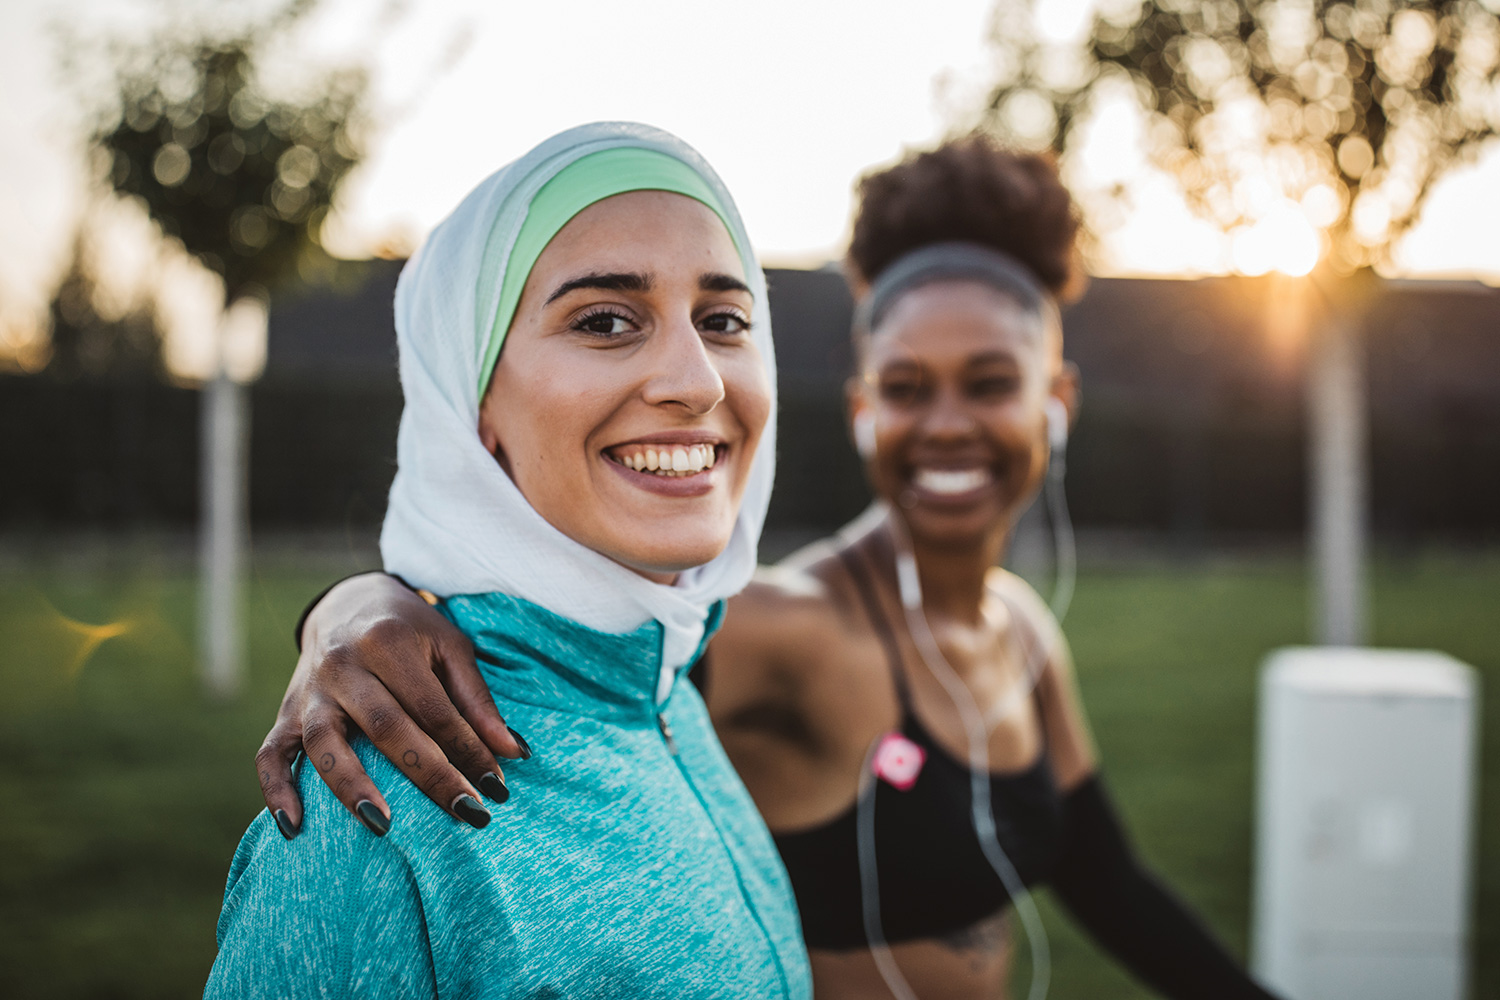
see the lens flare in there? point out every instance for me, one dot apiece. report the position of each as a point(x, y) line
point(91, 637)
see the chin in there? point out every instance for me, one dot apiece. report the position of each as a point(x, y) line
point(673, 559)
point(954, 529)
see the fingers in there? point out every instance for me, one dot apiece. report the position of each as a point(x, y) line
point(274, 763)
point(390, 697)
point(325, 737)
point(437, 770)
point(459, 674)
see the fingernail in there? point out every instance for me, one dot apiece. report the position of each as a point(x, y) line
point(493, 785)
point(285, 825)
point(372, 818)
point(467, 808)
point(521, 742)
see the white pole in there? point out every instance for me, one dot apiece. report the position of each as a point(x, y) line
point(222, 536)
point(1338, 478)
point(224, 527)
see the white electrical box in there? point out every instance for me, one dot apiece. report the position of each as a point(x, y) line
point(1364, 824)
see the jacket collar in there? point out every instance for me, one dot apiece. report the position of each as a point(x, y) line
point(531, 655)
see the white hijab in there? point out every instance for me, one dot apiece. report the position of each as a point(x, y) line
point(456, 523)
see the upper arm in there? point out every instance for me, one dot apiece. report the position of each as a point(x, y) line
point(1070, 743)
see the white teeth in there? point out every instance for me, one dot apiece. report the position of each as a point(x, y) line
point(681, 460)
point(950, 482)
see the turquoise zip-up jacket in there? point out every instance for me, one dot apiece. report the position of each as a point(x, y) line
point(629, 861)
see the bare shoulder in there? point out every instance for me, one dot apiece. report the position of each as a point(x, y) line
point(789, 603)
point(781, 590)
point(781, 635)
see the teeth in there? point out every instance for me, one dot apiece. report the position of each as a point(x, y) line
point(950, 482)
point(679, 460)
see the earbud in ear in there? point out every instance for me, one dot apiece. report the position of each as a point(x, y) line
point(864, 433)
point(1057, 424)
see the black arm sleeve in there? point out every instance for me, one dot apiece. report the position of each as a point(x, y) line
point(1131, 914)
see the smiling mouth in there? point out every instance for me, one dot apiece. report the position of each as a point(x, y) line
point(669, 461)
point(951, 482)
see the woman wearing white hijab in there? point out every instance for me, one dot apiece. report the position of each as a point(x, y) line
point(580, 507)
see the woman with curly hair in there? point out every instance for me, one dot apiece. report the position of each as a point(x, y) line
point(902, 711)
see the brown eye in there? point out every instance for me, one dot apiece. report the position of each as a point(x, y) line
point(900, 390)
point(603, 323)
point(994, 386)
point(727, 322)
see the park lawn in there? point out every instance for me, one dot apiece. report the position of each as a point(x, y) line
point(126, 791)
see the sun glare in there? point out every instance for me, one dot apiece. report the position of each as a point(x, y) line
point(1283, 241)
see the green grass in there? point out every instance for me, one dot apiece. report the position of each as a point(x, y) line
point(124, 791)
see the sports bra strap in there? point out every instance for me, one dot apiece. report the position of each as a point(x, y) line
point(881, 623)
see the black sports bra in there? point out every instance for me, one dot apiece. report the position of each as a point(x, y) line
point(933, 877)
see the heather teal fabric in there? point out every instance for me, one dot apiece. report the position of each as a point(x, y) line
point(619, 868)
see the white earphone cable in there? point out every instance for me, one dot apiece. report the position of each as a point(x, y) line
point(977, 726)
point(982, 813)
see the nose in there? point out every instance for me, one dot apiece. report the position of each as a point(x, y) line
point(948, 418)
point(683, 372)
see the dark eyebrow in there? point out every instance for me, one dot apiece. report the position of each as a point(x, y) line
point(993, 358)
point(621, 282)
point(722, 283)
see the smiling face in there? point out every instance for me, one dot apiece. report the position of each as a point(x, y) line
point(957, 377)
point(629, 398)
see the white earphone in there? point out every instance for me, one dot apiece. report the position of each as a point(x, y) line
point(864, 433)
point(1057, 423)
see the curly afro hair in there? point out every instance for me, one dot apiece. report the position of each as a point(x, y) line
point(973, 190)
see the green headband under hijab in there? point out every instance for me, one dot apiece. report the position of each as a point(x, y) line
point(583, 182)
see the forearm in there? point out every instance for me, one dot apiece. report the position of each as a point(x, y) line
point(1128, 911)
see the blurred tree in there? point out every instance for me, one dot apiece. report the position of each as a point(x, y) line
point(1312, 131)
point(243, 180)
point(1350, 110)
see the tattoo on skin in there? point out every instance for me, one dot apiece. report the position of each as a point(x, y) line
point(412, 759)
point(988, 936)
point(326, 763)
point(265, 779)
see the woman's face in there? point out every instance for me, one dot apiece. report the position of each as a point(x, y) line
point(956, 380)
point(629, 398)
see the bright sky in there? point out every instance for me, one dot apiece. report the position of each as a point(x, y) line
point(789, 99)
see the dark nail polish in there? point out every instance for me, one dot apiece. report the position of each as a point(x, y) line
point(493, 785)
point(521, 742)
point(468, 809)
point(372, 818)
point(284, 824)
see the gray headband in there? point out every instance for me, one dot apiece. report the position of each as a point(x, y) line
point(951, 262)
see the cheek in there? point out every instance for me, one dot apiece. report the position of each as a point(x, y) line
point(536, 447)
point(892, 429)
point(747, 390)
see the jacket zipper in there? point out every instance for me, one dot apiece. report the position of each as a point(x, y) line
point(670, 742)
point(666, 733)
